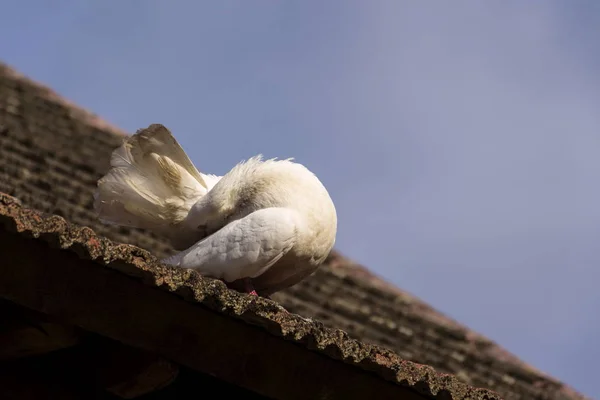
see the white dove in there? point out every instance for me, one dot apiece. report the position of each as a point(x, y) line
point(262, 227)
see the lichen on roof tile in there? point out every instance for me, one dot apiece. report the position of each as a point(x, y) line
point(213, 294)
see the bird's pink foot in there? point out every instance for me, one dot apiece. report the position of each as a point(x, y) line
point(249, 287)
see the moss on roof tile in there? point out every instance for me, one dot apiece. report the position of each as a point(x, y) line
point(213, 294)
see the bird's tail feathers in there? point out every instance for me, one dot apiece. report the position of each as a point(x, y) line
point(152, 184)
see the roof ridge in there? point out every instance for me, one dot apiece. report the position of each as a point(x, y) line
point(50, 94)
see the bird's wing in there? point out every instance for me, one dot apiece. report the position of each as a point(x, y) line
point(244, 248)
point(156, 138)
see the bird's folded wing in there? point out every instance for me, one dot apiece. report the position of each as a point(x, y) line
point(244, 248)
point(157, 139)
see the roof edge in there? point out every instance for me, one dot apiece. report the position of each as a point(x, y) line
point(213, 294)
point(359, 272)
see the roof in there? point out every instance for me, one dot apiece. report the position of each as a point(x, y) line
point(90, 286)
point(52, 153)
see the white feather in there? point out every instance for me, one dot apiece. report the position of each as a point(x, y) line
point(268, 220)
point(244, 248)
point(151, 184)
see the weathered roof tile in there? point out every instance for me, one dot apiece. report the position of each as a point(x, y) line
point(213, 294)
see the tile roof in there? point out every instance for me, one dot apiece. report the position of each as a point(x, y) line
point(52, 153)
point(38, 275)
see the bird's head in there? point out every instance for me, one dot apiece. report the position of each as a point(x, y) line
point(211, 211)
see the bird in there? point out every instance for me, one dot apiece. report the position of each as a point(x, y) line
point(262, 227)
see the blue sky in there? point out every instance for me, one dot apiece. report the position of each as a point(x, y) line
point(460, 141)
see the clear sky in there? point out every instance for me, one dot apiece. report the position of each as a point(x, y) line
point(459, 140)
